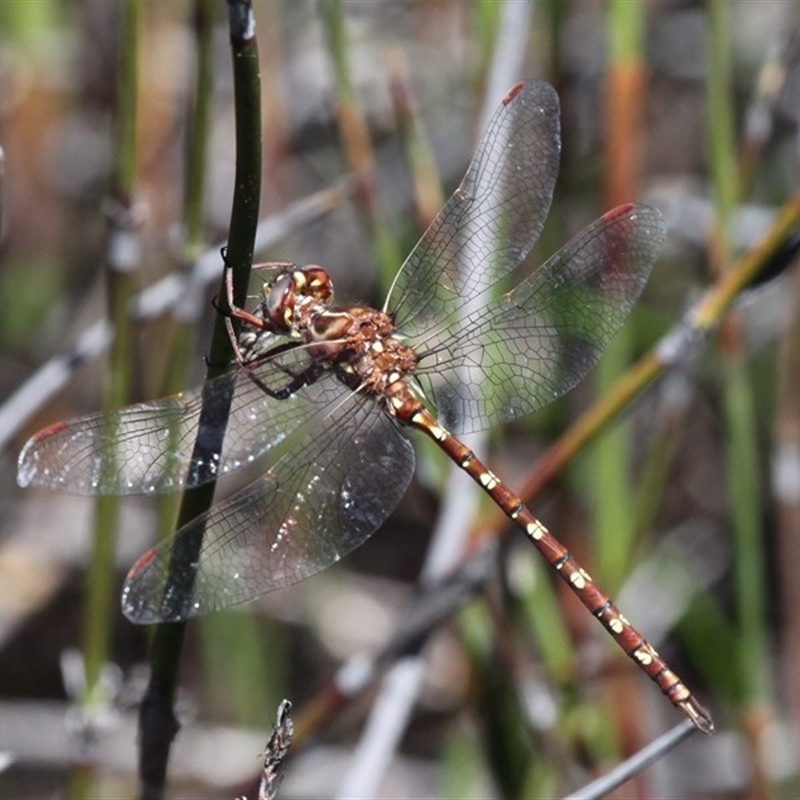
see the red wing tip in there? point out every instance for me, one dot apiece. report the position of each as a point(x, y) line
point(27, 463)
point(140, 565)
point(50, 430)
point(619, 211)
point(138, 610)
point(512, 93)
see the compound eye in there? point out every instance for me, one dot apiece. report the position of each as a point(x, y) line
point(280, 301)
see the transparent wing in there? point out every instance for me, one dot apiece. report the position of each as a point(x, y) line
point(529, 346)
point(148, 447)
point(326, 496)
point(492, 220)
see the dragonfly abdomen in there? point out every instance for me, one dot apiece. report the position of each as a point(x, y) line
point(564, 563)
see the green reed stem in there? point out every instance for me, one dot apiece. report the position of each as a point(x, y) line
point(610, 481)
point(743, 486)
point(99, 610)
point(121, 260)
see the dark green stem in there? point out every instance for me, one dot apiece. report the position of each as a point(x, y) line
point(158, 725)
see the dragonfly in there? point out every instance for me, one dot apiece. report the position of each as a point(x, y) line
point(322, 396)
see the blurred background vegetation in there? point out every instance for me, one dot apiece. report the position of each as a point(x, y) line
point(116, 125)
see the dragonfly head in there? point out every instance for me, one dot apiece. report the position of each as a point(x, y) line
point(292, 290)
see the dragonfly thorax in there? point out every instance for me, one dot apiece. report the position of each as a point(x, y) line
point(360, 343)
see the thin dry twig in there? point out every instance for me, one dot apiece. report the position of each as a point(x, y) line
point(635, 764)
point(276, 751)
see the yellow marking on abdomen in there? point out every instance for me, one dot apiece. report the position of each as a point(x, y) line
point(489, 480)
point(535, 530)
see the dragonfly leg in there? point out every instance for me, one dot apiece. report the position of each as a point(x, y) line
point(274, 265)
point(234, 311)
point(310, 375)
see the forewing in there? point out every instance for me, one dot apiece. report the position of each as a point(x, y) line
point(324, 497)
point(531, 345)
point(491, 221)
point(150, 447)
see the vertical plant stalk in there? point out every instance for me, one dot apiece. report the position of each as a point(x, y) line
point(623, 144)
point(198, 130)
point(122, 258)
point(428, 194)
point(742, 458)
point(157, 721)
